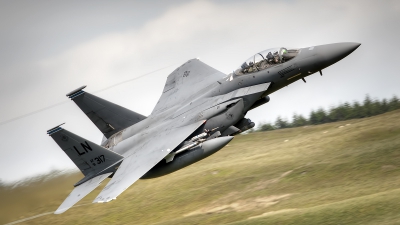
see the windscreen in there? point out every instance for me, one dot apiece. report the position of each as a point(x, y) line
point(266, 59)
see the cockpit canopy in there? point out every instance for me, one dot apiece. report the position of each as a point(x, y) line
point(266, 59)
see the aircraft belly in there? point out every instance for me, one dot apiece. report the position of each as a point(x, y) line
point(187, 158)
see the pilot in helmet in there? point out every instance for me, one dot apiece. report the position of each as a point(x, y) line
point(276, 57)
point(270, 57)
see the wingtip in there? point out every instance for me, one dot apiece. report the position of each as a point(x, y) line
point(99, 201)
point(59, 211)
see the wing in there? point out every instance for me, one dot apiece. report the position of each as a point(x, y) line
point(144, 156)
point(184, 82)
point(81, 191)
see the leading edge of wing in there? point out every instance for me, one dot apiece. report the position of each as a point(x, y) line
point(135, 166)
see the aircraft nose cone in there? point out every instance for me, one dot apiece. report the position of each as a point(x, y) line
point(332, 53)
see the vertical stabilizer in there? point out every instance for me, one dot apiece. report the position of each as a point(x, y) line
point(108, 117)
point(90, 158)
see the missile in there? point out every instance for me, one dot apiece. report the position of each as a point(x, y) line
point(195, 138)
point(171, 155)
point(195, 141)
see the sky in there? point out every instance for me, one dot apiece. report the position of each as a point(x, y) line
point(48, 48)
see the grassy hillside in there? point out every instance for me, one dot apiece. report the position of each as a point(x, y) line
point(337, 173)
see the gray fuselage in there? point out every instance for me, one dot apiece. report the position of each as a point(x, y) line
point(204, 104)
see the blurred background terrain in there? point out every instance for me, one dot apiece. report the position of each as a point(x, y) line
point(124, 51)
point(344, 172)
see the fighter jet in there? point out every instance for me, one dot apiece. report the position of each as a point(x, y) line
point(199, 112)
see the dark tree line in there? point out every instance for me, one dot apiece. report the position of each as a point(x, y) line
point(342, 112)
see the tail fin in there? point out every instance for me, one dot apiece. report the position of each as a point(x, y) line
point(108, 117)
point(89, 157)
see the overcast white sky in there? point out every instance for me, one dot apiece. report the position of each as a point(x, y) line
point(48, 48)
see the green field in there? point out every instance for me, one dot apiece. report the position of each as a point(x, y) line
point(338, 173)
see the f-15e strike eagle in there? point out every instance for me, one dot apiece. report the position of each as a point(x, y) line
point(199, 112)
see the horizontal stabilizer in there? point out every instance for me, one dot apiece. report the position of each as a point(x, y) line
point(108, 117)
point(89, 157)
point(81, 191)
